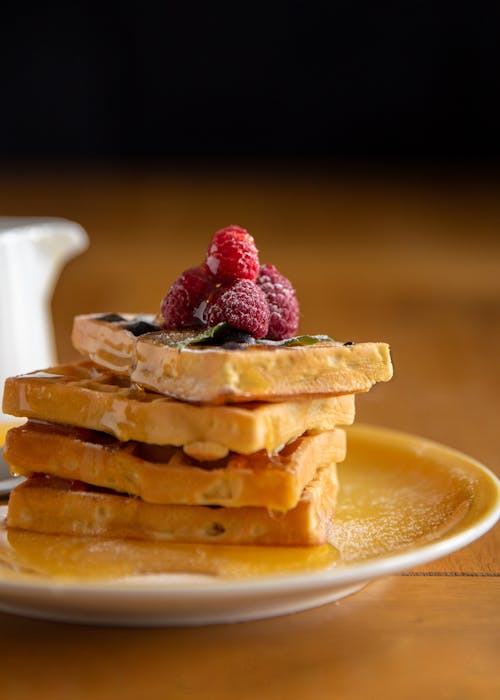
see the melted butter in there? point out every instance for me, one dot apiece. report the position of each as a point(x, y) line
point(29, 554)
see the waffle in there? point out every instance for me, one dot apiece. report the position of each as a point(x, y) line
point(217, 375)
point(110, 339)
point(87, 396)
point(51, 505)
point(165, 474)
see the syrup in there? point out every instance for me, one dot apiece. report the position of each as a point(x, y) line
point(26, 554)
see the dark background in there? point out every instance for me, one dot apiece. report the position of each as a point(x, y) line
point(347, 81)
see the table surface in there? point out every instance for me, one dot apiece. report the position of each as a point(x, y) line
point(411, 261)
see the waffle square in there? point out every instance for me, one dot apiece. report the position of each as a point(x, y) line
point(217, 375)
point(87, 396)
point(162, 474)
point(50, 505)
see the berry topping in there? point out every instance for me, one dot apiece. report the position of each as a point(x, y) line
point(184, 303)
point(231, 288)
point(111, 318)
point(282, 302)
point(139, 327)
point(232, 255)
point(242, 305)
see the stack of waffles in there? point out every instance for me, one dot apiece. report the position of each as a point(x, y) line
point(151, 438)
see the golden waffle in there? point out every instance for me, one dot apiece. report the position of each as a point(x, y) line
point(51, 505)
point(87, 396)
point(165, 474)
point(217, 375)
point(109, 342)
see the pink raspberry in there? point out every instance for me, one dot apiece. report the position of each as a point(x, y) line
point(232, 255)
point(184, 303)
point(242, 305)
point(282, 301)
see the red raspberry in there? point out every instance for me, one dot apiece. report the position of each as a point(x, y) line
point(184, 303)
point(242, 305)
point(232, 255)
point(283, 304)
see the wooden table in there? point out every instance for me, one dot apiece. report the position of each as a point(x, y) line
point(416, 263)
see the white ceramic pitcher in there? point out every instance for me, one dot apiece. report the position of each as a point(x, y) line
point(32, 254)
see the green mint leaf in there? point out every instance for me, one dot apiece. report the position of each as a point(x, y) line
point(211, 333)
point(183, 339)
point(211, 336)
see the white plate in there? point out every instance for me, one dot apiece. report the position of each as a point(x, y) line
point(405, 501)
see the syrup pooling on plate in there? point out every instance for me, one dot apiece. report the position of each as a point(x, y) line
point(25, 554)
point(394, 496)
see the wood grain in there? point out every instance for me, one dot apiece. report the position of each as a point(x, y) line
point(400, 637)
point(414, 263)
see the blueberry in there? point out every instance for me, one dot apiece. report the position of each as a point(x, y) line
point(235, 335)
point(233, 346)
point(141, 327)
point(111, 318)
point(231, 338)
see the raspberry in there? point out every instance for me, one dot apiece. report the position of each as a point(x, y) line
point(184, 303)
point(242, 305)
point(232, 255)
point(283, 304)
